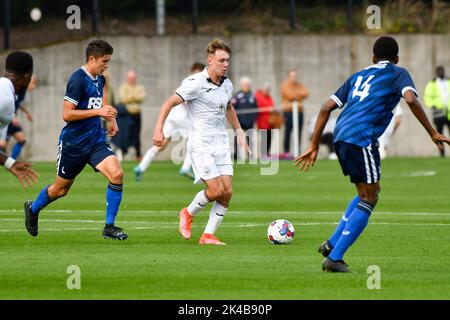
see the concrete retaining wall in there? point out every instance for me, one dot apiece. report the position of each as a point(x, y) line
point(323, 63)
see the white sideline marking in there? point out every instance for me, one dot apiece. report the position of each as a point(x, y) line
point(421, 174)
point(175, 212)
point(157, 225)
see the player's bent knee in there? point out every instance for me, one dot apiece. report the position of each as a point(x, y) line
point(227, 194)
point(116, 176)
point(214, 194)
point(370, 198)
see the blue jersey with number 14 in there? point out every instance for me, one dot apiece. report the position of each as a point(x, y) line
point(368, 98)
point(85, 92)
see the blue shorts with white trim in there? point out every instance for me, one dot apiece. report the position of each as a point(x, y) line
point(362, 164)
point(70, 162)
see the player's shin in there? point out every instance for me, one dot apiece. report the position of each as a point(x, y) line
point(41, 201)
point(337, 233)
point(216, 215)
point(356, 223)
point(199, 202)
point(113, 199)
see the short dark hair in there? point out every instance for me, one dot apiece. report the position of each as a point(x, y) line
point(385, 48)
point(98, 48)
point(197, 66)
point(19, 62)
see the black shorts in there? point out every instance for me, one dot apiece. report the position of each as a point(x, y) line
point(362, 164)
point(71, 162)
point(12, 130)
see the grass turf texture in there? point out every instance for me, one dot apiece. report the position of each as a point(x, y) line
point(407, 237)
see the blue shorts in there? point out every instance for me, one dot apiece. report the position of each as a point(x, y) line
point(70, 162)
point(12, 130)
point(362, 164)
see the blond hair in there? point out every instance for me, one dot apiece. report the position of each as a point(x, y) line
point(217, 44)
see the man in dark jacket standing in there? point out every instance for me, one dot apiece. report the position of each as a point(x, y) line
point(244, 102)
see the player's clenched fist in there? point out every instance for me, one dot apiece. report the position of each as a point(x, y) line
point(108, 112)
point(158, 138)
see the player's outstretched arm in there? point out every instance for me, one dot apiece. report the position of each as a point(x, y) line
point(22, 170)
point(307, 159)
point(158, 135)
point(417, 109)
point(26, 112)
point(240, 134)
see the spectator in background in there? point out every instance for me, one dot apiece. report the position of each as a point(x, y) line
point(244, 102)
point(132, 95)
point(265, 105)
point(292, 90)
point(108, 99)
point(108, 93)
point(327, 135)
point(437, 97)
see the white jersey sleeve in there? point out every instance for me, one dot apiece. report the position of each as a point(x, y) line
point(7, 100)
point(230, 91)
point(189, 89)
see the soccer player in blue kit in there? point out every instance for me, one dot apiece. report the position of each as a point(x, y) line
point(367, 100)
point(83, 141)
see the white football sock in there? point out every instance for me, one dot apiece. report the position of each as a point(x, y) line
point(215, 218)
point(148, 158)
point(187, 162)
point(199, 202)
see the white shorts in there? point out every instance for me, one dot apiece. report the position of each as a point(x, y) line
point(210, 163)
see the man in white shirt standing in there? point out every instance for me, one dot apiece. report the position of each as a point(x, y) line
point(207, 94)
point(18, 72)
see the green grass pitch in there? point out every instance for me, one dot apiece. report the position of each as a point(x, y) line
point(407, 237)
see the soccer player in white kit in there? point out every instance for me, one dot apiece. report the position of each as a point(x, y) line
point(175, 126)
point(385, 138)
point(18, 72)
point(207, 94)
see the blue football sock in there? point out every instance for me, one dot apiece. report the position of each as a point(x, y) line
point(113, 199)
point(17, 149)
point(337, 233)
point(356, 223)
point(41, 201)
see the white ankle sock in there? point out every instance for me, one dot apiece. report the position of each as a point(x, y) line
point(199, 202)
point(215, 218)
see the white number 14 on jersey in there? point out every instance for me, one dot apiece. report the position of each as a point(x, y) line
point(362, 90)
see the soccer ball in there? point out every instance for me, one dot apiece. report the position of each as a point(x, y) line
point(280, 232)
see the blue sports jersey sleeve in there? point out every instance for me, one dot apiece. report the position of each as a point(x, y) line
point(341, 95)
point(403, 82)
point(73, 90)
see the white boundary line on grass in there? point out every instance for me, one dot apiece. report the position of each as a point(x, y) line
point(172, 225)
point(13, 211)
